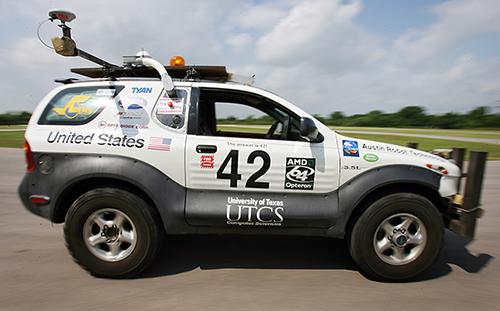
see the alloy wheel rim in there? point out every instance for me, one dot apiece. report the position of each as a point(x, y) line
point(400, 239)
point(110, 235)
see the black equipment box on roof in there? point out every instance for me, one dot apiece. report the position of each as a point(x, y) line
point(213, 73)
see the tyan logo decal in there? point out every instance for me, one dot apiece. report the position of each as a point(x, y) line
point(142, 90)
point(74, 107)
point(299, 173)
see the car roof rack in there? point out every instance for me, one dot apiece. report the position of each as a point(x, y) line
point(211, 73)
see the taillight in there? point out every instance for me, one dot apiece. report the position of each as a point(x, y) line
point(30, 161)
point(39, 199)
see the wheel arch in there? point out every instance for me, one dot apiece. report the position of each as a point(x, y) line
point(84, 184)
point(76, 173)
point(358, 193)
point(387, 189)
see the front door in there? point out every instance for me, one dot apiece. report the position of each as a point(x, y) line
point(248, 166)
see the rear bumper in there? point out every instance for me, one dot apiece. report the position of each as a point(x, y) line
point(25, 191)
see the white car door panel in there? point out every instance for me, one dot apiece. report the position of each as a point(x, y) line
point(234, 180)
point(242, 164)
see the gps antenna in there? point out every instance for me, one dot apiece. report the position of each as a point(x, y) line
point(65, 45)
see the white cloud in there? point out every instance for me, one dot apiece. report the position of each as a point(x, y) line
point(355, 72)
point(262, 16)
point(316, 31)
point(458, 21)
point(239, 41)
point(28, 54)
point(312, 52)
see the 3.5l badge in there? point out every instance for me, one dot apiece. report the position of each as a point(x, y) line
point(299, 173)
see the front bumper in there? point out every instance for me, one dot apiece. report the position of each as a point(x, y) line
point(464, 211)
point(460, 220)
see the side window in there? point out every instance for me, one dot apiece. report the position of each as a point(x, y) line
point(171, 111)
point(79, 105)
point(237, 118)
point(239, 114)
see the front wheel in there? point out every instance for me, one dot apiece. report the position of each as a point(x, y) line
point(398, 237)
point(112, 233)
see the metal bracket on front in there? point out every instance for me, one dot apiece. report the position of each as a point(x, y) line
point(468, 206)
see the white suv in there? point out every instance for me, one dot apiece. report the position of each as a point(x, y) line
point(122, 161)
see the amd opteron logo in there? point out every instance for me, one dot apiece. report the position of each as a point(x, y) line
point(299, 173)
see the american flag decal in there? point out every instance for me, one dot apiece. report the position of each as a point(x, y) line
point(159, 143)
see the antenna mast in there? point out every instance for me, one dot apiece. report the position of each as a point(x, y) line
point(66, 46)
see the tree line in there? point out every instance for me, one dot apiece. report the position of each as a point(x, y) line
point(411, 116)
point(15, 118)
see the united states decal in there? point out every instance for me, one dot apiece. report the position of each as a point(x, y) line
point(159, 143)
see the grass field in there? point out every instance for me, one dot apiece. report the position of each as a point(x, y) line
point(428, 144)
point(15, 139)
point(12, 139)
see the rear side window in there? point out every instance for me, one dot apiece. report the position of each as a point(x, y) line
point(79, 105)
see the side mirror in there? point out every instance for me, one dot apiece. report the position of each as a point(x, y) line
point(308, 129)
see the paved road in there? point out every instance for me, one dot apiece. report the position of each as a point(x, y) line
point(237, 273)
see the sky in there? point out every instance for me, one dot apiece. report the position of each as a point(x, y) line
point(322, 55)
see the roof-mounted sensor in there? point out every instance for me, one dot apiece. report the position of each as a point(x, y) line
point(141, 65)
point(62, 15)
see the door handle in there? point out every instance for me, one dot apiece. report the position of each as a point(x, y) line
point(206, 149)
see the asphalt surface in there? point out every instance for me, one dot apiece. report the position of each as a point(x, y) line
point(238, 273)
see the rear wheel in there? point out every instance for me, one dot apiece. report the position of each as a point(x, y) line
point(112, 233)
point(398, 237)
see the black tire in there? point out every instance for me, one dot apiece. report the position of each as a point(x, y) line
point(362, 245)
point(148, 232)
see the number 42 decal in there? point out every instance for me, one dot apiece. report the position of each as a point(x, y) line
point(233, 176)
